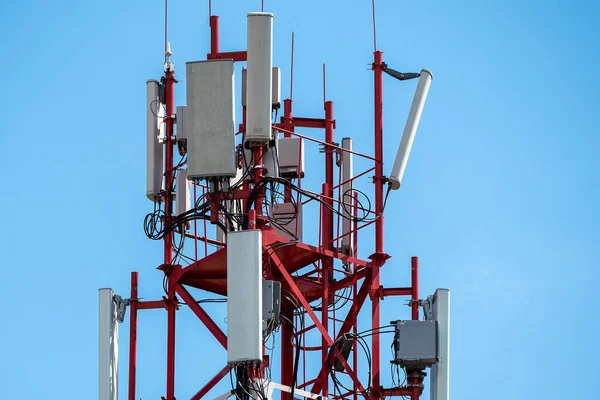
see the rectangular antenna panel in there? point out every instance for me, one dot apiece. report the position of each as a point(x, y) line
point(291, 157)
point(108, 344)
point(440, 372)
point(290, 218)
point(154, 150)
point(347, 198)
point(275, 93)
point(244, 297)
point(182, 194)
point(210, 119)
point(260, 80)
point(181, 130)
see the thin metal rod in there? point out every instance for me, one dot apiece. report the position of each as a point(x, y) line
point(282, 129)
point(292, 70)
point(324, 84)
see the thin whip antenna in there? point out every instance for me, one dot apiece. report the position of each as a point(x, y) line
point(292, 70)
point(209, 9)
point(263, 5)
point(166, 28)
point(324, 84)
point(374, 27)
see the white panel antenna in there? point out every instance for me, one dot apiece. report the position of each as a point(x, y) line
point(259, 82)
point(244, 297)
point(154, 150)
point(410, 129)
point(108, 345)
point(210, 117)
point(182, 194)
point(347, 197)
point(440, 372)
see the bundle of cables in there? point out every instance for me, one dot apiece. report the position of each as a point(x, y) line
point(266, 184)
point(360, 339)
point(155, 227)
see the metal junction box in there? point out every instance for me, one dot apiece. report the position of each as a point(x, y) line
point(271, 303)
point(415, 343)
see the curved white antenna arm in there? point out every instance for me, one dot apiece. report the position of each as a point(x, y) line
point(410, 129)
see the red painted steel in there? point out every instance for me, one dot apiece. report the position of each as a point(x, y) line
point(379, 249)
point(214, 35)
point(212, 383)
point(133, 334)
point(414, 266)
point(169, 82)
point(202, 315)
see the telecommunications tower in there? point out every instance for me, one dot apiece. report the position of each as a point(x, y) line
point(282, 252)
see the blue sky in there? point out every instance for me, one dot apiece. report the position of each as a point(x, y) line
point(499, 200)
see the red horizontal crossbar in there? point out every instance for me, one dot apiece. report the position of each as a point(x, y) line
point(395, 292)
point(233, 55)
point(148, 305)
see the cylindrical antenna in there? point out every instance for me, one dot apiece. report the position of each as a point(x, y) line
point(209, 9)
point(410, 129)
point(292, 70)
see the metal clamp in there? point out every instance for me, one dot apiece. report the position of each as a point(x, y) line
point(427, 305)
point(122, 305)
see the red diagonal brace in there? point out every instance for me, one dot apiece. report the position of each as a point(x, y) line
point(212, 383)
point(361, 296)
point(201, 314)
point(294, 288)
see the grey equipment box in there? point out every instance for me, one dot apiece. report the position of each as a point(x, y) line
point(271, 298)
point(415, 343)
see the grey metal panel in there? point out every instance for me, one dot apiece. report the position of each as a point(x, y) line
point(440, 372)
point(290, 218)
point(271, 303)
point(291, 157)
point(416, 343)
point(210, 117)
point(244, 297)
